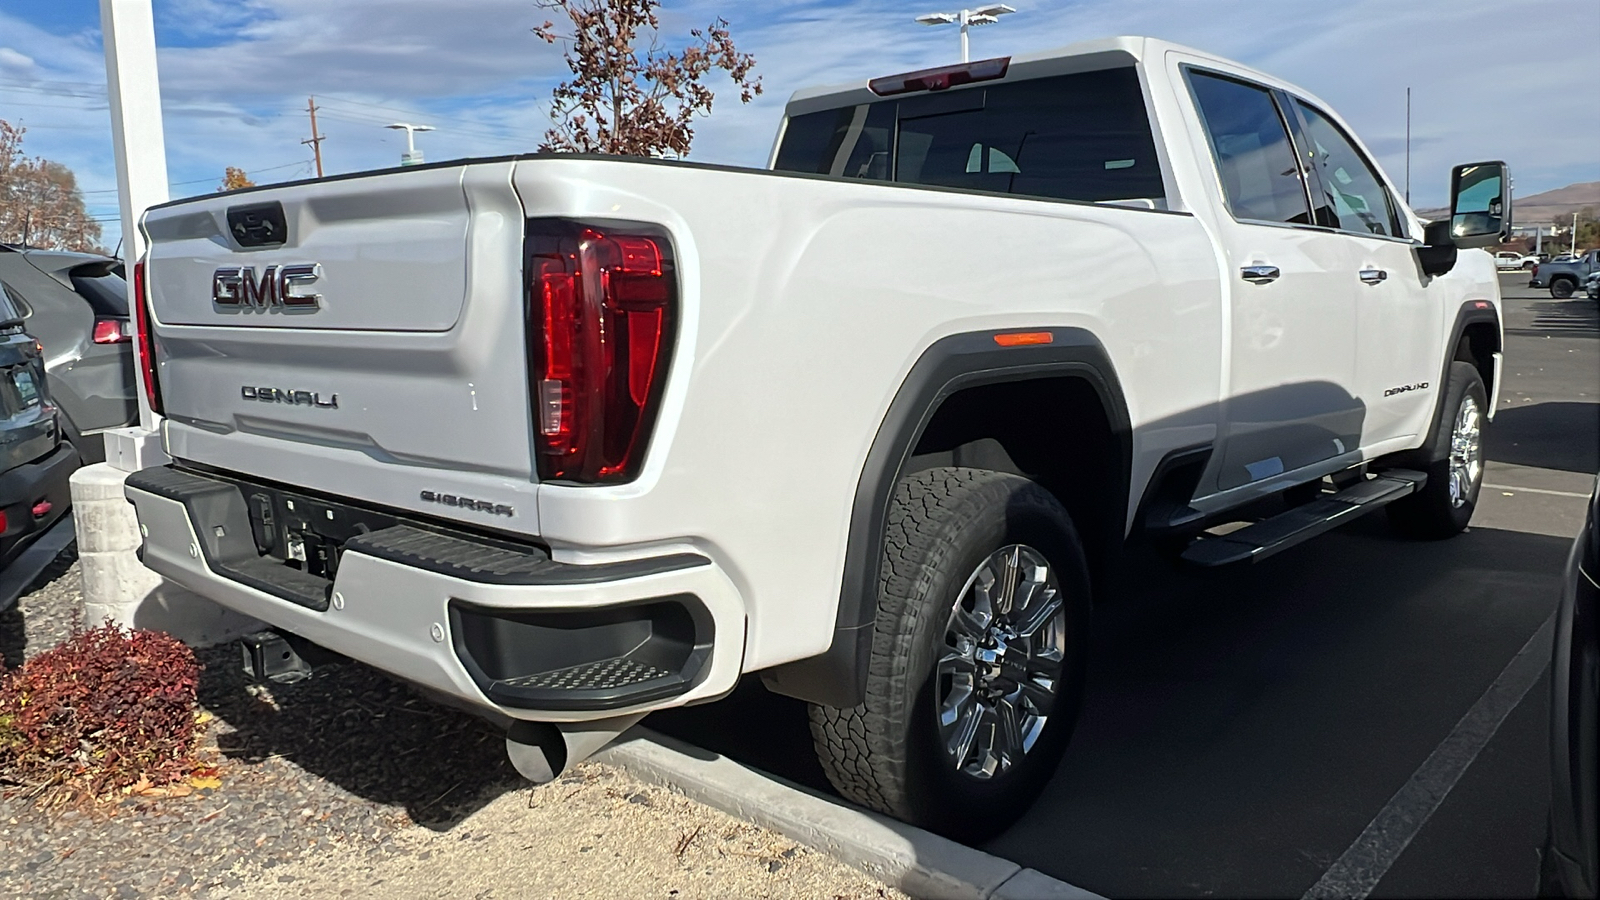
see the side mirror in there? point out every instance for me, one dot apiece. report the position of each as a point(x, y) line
point(1437, 255)
point(1480, 204)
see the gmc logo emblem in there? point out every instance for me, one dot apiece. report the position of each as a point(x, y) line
point(278, 286)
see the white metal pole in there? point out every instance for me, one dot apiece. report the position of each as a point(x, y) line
point(1574, 248)
point(964, 20)
point(134, 91)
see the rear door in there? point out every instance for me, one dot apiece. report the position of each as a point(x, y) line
point(363, 337)
point(1293, 348)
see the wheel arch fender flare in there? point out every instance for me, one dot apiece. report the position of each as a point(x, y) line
point(1471, 312)
point(837, 677)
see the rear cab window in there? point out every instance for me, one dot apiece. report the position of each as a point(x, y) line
point(1084, 136)
point(1250, 145)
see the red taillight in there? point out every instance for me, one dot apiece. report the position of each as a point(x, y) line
point(146, 337)
point(601, 305)
point(111, 331)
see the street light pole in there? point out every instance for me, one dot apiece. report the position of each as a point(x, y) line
point(967, 18)
point(411, 157)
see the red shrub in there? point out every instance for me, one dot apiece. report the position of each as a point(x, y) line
point(105, 709)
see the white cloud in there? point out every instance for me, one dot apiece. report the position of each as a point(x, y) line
point(15, 64)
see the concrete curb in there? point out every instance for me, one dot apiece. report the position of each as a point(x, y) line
point(918, 862)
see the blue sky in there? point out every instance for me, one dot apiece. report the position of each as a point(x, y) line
point(235, 75)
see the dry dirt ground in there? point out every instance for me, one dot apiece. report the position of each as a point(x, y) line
point(349, 784)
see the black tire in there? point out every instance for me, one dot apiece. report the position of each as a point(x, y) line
point(1562, 288)
point(1437, 512)
point(887, 753)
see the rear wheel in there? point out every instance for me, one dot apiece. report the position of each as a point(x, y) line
point(1562, 288)
point(978, 656)
point(1444, 505)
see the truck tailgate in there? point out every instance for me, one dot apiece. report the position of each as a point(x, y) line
point(324, 334)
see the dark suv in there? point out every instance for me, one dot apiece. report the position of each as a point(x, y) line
point(35, 460)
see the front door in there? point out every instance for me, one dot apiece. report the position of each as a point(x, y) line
point(1399, 326)
point(1293, 348)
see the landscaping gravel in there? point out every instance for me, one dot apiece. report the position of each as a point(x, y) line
point(356, 772)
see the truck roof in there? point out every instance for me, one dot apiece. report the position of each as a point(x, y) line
point(1083, 56)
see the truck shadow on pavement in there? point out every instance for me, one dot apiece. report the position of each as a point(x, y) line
point(364, 733)
point(1562, 435)
point(1578, 317)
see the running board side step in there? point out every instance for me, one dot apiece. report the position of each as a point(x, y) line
point(1256, 542)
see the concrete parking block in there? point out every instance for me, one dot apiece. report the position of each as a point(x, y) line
point(919, 862)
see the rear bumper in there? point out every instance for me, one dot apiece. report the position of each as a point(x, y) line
point(24, 488)
point(504, 629)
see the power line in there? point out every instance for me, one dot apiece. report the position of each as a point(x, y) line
point(202, 180)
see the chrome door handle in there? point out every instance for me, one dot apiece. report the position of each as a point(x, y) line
point(1373, 276)
point(1259, 274)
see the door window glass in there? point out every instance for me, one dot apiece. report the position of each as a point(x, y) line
point(1350, 186)
point(1250, 144)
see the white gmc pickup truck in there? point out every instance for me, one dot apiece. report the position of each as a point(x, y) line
point(567, 439)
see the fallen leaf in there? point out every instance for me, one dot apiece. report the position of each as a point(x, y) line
point(205, 782)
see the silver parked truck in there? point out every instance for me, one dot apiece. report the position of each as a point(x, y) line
point(568, 439)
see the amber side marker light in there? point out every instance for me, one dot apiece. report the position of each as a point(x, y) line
point(1024, 338)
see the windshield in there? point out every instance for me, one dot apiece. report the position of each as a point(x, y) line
point(1084, 137)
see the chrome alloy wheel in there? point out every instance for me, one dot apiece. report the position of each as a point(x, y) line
point(999, 668)
point(1466, 452)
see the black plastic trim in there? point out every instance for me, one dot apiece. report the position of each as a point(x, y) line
point(220, 520)
point(837, 677)
point(459, 556)
point(648, 650)
point(1164, 507)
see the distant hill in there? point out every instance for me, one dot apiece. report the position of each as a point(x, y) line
point(1542, 209)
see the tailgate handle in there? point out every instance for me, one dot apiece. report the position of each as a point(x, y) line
point(258, 225)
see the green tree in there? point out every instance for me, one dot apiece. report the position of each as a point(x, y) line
point(621, 102)
point(40, 204)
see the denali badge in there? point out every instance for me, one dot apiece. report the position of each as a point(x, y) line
point(239, 287)
point(293, 398)
point(497, 509)
point(1419, 386)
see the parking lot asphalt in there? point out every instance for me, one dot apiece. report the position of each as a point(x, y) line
point(1244, 728)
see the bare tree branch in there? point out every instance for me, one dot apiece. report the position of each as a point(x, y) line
point(618, 102)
